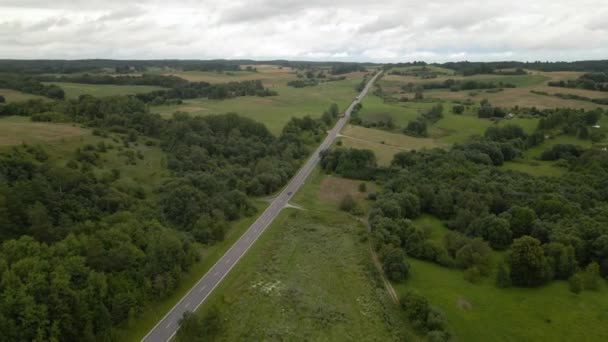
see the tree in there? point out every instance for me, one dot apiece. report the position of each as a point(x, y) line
point(527, 262)
point(458, 109)
point(521, 220)
point(362, 187)
point(395, 266)
point(2, 99)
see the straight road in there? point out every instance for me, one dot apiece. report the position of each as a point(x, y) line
point(167, 327)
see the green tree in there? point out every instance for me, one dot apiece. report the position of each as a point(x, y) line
point(395, 266)
point(591, 276)
point(527, 262)
point(575, 283)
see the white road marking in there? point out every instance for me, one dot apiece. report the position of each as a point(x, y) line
point(216, 273)
point(187, 305)
point(169, 324)
point(202, 288)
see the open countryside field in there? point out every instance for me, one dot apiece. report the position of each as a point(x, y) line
point(483, 312)
point(271, 75)
point(74, 90)
point(17, 130)
point(309, 277)
point(508, 97)
point(384, 144)
point(17, 96)
point(276, 111)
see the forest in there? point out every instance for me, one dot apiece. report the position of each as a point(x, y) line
point(81, 253)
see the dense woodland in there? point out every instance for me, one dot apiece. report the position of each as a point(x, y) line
point(82, 253)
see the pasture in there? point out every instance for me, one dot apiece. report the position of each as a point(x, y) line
point(275, 111)
point(384, 144)
point(16, 130)
point(74, 90)
point(17, 96)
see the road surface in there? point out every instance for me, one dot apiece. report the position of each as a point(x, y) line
point(167, 327)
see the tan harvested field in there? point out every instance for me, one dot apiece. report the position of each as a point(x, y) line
point(333, 189)
point(14, 131)
point(384, 144)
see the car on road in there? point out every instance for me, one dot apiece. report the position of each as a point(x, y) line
point(289, 193)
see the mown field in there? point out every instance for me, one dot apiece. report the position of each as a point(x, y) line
point(309, 277)
point(483, 312)
point(274, 111)
point(74, 90)
point(15, 130)
point(17, 96)
point(384, 144)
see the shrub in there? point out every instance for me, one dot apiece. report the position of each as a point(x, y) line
point(348, 203)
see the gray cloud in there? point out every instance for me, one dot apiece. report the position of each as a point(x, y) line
point(394, 30)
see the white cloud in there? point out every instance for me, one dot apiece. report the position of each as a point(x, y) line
point(388, 31)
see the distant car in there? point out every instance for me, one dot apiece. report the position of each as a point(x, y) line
point(289, 193)
point(357, 98)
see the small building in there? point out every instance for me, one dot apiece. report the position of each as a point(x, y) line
point(510, 116)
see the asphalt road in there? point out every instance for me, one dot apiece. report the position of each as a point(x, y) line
point(167, 327)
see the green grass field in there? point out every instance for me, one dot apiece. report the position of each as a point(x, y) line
point(548, 313)
point(308, 277)
point(17, 96)
point(535, 167)
point(15, 130)
point(384, 144)
point(275, 111)
point(74, 90)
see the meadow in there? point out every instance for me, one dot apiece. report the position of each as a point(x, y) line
point(17, 96)
point(483, 312)
point(15, 130)
point(273, 111)
point(74, 90)
point(309, 277)
point(384, 144)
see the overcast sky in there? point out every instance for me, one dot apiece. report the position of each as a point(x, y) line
point(379, 31)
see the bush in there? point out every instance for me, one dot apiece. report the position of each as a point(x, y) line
point(347, 203)
point(362, 187)
point(395, 266)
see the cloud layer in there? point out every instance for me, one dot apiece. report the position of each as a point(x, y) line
point(356, 30)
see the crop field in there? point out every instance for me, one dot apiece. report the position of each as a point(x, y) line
point(309, 277)
point(74, 90)
point(17, 130)
point(483, 312)
point(276, 111)
point(17, 96)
